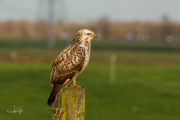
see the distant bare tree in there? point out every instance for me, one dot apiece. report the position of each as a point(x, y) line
point(104, 25)
point(166, 27)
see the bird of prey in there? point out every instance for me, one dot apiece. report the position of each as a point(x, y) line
point(70, 63)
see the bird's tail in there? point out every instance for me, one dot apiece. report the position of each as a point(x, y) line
point(57, 99)
point(56, 91)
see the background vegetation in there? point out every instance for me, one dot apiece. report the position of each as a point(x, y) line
point(163, 29)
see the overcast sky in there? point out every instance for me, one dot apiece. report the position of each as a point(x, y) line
point(82, 10)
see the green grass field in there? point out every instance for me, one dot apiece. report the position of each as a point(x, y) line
point(94, 53)
point(147, 83)
point(141, 91)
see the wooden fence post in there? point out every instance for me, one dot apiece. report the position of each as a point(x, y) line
point(73, 103)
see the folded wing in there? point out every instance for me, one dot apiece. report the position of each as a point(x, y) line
point(67, 64)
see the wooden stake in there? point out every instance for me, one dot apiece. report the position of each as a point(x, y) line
point(113, 68)
point(73, 103)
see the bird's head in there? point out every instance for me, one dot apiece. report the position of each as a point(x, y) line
point(84, 35)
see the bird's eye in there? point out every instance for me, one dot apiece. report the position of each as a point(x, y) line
point(88, 33)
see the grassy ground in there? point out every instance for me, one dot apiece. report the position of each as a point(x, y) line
point(147, 84)
point(141, 91)
point(94, 53)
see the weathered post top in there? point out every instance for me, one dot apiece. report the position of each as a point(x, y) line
point(73, 103)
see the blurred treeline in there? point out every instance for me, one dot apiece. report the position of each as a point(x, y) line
point(163, 29)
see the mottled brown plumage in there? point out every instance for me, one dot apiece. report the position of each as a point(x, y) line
point(70, 63)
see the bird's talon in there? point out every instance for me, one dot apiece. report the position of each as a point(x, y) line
point(71, 86)
point(76, 86)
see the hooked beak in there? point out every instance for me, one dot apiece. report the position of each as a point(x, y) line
point(94, 36)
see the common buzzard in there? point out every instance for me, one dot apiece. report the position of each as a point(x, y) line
point(70, 63)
